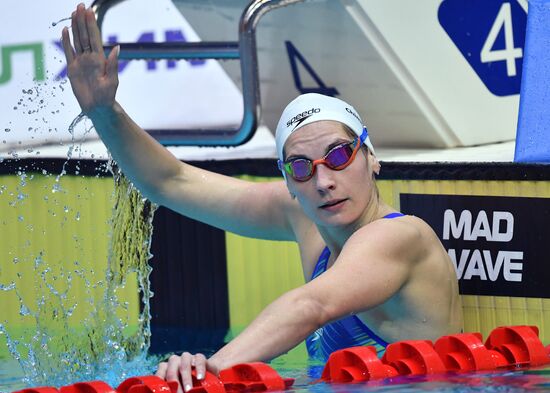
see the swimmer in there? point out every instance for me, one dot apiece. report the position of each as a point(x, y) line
point(374, 276)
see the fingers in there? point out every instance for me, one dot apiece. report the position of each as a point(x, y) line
point(178, 368)
point(112, 63)
point(96, 43)
point(67, 48)
point(76, 35)
point(200, 365)
point(186, 361)
point(161, 370)
point(82, 28)
point(172, 370)
point(86, 35)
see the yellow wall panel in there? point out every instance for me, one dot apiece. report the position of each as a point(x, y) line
point(258, 272)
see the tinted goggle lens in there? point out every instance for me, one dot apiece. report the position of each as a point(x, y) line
point(339, 157)
point(300, 168)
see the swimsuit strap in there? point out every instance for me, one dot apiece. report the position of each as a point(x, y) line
point(393, 215)
point(321, 264)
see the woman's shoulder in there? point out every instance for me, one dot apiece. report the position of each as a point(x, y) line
point(402, 235)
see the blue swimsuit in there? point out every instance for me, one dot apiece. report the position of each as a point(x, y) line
point(344, 333)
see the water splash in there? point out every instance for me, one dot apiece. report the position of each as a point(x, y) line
point(9, 287)
point(62, 345)
point(61, 20)
point(57, 187)
point(56, 351)
point(130, 250)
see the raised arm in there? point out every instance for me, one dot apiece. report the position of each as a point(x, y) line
point(252, 209)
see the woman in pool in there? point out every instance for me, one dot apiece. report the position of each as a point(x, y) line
point(374, 275)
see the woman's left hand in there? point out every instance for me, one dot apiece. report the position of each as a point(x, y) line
point(178, 368)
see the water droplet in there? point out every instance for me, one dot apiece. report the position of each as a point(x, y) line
point(23, 310)
point(56, 187)
point(38, 260)
point(9, 287)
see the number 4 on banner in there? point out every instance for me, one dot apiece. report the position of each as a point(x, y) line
point(294, 56)
point(509, 53)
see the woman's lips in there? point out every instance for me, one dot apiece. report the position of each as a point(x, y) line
point(332, 205)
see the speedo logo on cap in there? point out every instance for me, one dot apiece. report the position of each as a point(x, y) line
point(301, 117)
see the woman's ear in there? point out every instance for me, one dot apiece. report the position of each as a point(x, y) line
point(374, 163)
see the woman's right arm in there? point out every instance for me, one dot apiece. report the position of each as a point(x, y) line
point(262, 210)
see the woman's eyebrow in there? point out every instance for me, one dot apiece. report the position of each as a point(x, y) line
point(294, 156)
point(338, 142)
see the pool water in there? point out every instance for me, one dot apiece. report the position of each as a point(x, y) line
point(516, 381)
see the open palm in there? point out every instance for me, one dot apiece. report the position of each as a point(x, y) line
point(94, 78)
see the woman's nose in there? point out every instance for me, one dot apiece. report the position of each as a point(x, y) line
point(324, 178)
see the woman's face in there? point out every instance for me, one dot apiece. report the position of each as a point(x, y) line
point(330, 197)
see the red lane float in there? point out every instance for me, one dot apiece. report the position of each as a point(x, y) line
point(520, 345)
point(414, 357)
point(466, 352)
point(40, 389)
point(255, 377)
point(147, 384)
point(506, 347)
point(209, 384)
point(87, 387)
point(356, 364)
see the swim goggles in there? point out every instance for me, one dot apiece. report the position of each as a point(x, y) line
point(337, 158)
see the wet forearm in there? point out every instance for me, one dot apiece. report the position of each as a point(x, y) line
point(147, 163)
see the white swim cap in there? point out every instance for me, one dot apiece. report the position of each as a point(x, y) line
point(312, 107)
